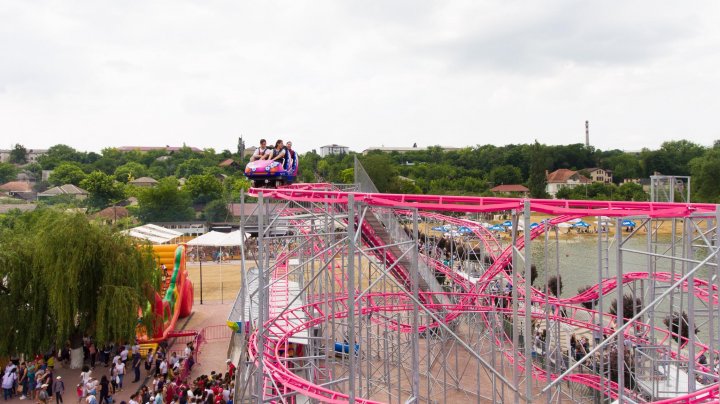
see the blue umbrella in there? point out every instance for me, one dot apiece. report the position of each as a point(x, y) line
point(534, 225)
point(439, 228)
point(496, 227)
point(464, 229)
point(581, 224)
point(507, 223)
point(628, 223)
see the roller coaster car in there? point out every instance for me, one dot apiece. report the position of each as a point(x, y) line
point(266, 173)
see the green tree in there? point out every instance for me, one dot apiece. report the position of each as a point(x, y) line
point(165, 202)
point(61, 281)
point(103, 189)
point(706, 176)
point(505, 175)
point(189, 167)
point(58, 154)
point(130, 171)
point(67, 173)
point(347, 176)
point(217, 211)
point(35, 169)
point(7, 172)
point(204, 188)
point(537, 181)
point(18, 155)
point(381, 170)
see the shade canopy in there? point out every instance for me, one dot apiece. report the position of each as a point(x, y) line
point(153, 233)
point(218, 239)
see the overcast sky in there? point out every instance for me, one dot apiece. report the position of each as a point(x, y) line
point(94, 74)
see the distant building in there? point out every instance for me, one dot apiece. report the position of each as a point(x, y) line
point(31, 156)
point(144, 182)
point(564, 178)
point(600, 175)
point(229, 163)
point(67, 189)
point(333, 149)
point(112, 214)
point(19, 189)
point(406, 149)
point(510, 190)
point(644, 182)
point(145, 149)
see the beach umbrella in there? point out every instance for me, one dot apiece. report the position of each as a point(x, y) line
point(496, 227)
point(581, 224)
point(464, 229)
point(439, 228)
point(576, 220)
point(565, 225)
point(628, 223)
point(507, 223)
point(534, 225)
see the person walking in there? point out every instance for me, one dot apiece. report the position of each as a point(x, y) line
point(136, 366)
point(120, 368)
point(59, 389)
point(8, 381)
point(104, 389)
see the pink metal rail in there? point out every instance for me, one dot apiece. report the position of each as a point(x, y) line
point(474, 299)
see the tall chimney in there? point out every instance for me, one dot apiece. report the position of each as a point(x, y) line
point(587, 133)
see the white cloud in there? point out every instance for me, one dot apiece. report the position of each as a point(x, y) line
point(101, 73)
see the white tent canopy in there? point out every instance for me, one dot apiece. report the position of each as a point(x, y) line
point(217, 239)
point(153, 233)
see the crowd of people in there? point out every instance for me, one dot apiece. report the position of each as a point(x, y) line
point(215, 388)
point(122, 360)
point(34, 380)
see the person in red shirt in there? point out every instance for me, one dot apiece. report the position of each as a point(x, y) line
point(231, 368)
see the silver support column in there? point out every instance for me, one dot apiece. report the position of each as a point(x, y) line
point(262, 308)
point(351, 296)
point(528, 302)
point(415, 315)
point(620, 313)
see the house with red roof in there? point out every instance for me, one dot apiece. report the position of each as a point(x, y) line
point(564, 178)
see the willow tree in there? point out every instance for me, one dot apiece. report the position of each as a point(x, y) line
point(64, 277)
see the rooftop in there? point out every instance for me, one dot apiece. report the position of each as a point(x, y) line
point(113, 212)
point(67, 189)
point(510, 188)
point(144, 180)
point(16, 186)
point(334, 145)
point(562, 175)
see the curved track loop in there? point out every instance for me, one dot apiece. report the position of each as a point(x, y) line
point(474, 299)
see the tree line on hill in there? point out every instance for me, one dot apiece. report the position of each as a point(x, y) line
point(193, 185)
point(474, 170)
point(190, 184)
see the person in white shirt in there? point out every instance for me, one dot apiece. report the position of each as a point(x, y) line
point(163, 367)
point(262, 152)
point(124, 354)
point(173, 359)
point(120, 368)
point(133, 399)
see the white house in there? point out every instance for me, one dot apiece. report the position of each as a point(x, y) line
point(564, 178)
point(333, 149)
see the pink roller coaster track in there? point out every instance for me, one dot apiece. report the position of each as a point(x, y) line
point(474, 298)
